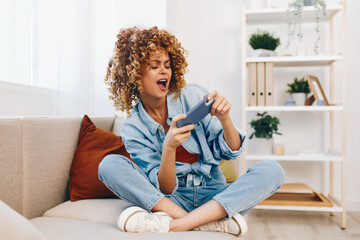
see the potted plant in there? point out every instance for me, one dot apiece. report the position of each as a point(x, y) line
point(264, 128)
point(264, 44)
point(299, 90)
point(294, 19)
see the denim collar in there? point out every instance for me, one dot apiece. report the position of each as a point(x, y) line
point(174, 109)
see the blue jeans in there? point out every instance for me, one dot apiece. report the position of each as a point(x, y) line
point(130, 183)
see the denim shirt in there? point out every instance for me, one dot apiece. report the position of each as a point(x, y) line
point(143, 138)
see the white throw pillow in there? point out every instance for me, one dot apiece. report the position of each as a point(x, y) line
point(14, 226)
point(119, 120)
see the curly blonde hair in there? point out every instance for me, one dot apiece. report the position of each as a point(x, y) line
point(133, 49)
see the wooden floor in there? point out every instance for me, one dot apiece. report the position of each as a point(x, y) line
point(288, 225)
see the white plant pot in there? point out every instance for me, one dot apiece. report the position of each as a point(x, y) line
point(255, 4)
point(262, 146)
point(299, 98)
point(277, 3)
point(263, 53)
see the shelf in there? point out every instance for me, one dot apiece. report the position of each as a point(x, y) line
point(296, 61)
point(335, 208)
point(293, 108)
point(299, 197)
point(297, 200)
point(296, 157)
point(279, 15)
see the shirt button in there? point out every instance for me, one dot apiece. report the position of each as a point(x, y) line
point(159, 128)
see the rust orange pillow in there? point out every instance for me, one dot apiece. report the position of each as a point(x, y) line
point(93, 145)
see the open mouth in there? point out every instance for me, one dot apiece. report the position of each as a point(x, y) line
point(162, 84)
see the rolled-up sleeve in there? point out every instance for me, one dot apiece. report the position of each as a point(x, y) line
point(225, 151)
point(216, 141)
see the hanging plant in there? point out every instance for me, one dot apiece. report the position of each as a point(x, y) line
point(294, 13)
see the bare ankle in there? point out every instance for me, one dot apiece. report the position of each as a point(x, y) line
point(175, 226)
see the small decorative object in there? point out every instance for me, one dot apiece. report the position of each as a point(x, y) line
point(279, 149)
point(294, 19)
point(264, 128)
point(308, 2)
point(276, 3)
point(298, 89)
point(300, 53)
point(320, 103)
point(310, 100)
point(290, 101)
point(317, 90)
point(264, 44)
point(257, 4)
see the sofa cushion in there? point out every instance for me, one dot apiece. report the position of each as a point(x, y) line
point(95, 210)
point(228, 171)
point(69, 229)
point(13, 226)
point(93, 145)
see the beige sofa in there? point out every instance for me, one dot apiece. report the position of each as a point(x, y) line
point(35, 160)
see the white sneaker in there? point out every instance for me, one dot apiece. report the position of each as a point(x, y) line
point(236, 225)
point(135, 219)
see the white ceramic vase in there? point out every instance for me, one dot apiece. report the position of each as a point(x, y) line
point(256, 4)
point(263, 146)
point(263, 53)
point(299, 98)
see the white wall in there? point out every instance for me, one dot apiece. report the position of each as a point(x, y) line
point(353, 98)
point(210, 30)
point(108, 18)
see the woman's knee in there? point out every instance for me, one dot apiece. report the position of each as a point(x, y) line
point(110, 163)
point(273, 172)
point(277, 171)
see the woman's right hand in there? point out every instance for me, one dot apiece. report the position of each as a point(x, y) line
point(176, 136)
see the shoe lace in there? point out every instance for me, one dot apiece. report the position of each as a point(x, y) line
point(216, 226)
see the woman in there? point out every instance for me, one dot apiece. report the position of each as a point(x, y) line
point(176, 184)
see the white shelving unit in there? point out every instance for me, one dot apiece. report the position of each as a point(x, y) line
point(279, 16)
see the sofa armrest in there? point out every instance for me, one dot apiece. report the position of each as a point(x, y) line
point(13, 226)
point(10, 163)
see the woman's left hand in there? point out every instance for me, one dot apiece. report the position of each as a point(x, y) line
point(221, 106)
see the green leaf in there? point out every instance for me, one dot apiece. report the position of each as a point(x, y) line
point(263, 40)
point(265, 126)
point(299, 86)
